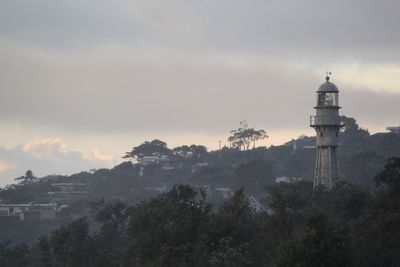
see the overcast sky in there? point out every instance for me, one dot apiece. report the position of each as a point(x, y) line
point(84, 81)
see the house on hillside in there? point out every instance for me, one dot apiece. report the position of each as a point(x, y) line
point(303, 142)
point(285, 179)
point(219, 192)
point(67, 191)
point(29, 212)
point(395, 130)
point(198, 166)
point(160, 160)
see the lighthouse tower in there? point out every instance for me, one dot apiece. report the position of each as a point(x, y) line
point(327, 124)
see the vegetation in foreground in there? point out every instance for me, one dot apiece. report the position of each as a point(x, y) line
point(347, 226)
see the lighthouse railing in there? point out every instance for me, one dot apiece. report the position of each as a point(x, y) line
point(326, 121)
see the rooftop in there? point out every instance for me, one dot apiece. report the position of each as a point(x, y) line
point(327, 86)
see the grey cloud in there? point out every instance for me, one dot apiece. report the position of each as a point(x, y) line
point(308, 24)
point(62, 24)
point(172, 66)
point(381, 109)
point(359, 29)
point(323, 30)
point(127, 67)
point(113, 90)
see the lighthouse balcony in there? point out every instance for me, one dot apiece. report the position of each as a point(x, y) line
point(326, 121)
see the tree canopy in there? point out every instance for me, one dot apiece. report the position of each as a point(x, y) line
point(352, 132)
point(347, 226)
point(244, 137)
point(27, 178)
point(153, 148)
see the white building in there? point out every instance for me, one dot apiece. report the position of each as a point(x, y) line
point(285, 179)
point(395, 130)
point(30, 211)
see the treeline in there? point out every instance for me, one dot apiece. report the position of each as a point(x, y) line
point(348, 226)
point(360, 157)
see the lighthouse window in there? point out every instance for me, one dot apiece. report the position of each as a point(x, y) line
point(327, 99)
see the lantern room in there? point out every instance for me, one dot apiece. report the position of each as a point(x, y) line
point(327, 95)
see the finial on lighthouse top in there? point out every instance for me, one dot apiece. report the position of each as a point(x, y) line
point(328, 86)
point(327, 76)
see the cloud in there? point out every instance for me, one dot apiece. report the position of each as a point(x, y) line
point(112, 89)
point(174, 23)
point(309, 29)
point(56, 24)
point(97, 154)
point(6, 165)
point(48, 147)
point(380, 78)
point(173, 68)
point(45, 157)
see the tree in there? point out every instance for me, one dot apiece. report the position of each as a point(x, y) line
point(243, 137)
point(111, 238)
point(362, 165)
point(388, 181)
point(233, 233)
point(165, 231)
point(153, 148)
point(27, 179)
point(17, 256)
point(255, 173)
point(44, 258)
point(317, 242)
point(112, 216)
point(351, 131)
point(286, 202)
point(378, 242)
point(72, 245)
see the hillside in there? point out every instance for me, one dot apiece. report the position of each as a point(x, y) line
point(219, 173)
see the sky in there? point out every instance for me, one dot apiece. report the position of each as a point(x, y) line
point(81, 82)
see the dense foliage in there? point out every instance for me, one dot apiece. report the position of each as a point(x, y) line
point(348, 226)
point(153, 148)
point(361, 157)
point(124, 220)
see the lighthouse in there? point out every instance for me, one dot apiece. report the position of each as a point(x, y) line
point(327, 124)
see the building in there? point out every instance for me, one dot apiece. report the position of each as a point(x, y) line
point(159, 160)
point(288, 180)
point(30, 211)
point(162, 161)
point(68, 186)
point(255, 205)
point(68, 192)
point(327, 124)
point(217, 192)
point(303, 142)
point(395, 130)
point(198, 166)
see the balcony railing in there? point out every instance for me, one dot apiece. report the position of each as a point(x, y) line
point(326, 121)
